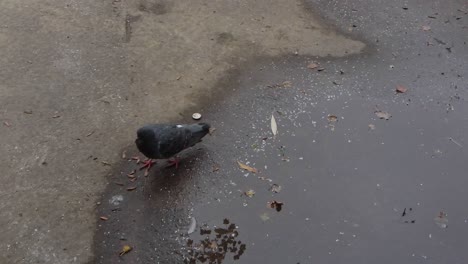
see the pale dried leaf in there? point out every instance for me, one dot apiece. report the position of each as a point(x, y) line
point(193, 225)
point(250, 193)
point(103, 218)
point(286, 84)
point(383, 115)
point(426, 28)
point(401, 89)
point(312, 65)
point(274, 126)
point(332, 118)
point(247, 168)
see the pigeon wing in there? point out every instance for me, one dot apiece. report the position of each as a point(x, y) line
point(173, 140)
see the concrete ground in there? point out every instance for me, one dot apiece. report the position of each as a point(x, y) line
point(79, 77)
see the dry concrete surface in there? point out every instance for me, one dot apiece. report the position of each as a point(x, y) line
point(77, 78)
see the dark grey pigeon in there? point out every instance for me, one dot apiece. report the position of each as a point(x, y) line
point(162, 141)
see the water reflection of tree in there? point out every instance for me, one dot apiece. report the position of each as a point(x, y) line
point(213, 250)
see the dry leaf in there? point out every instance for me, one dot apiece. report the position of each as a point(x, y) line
point(131, 188)
point(211, 130)
point(193, 225)
point(124, 154)
point(312, 65)
point(215, 168)
point(383, 115)
point(371, 126)
point(90, 133)
point(125, 250)
point(276, 205)
point(250, 193)
point(136, 159)
point(286, 84)
point(247, 168)
point(55, 116)
point(29, 112)
point(103, 218)
point(426, 28)
point(6, 124)
point(401, 89)
point(332, 118)
point(275, 188)
point(274, 127)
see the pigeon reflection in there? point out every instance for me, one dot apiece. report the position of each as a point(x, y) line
point(213, 250)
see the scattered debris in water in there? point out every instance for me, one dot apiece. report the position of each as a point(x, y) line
point(406, 214)
point(441, 220)
point(455, 142)
point(382, 115)
point(401, 89)
point(275, 188)
point(275, 205)
point(265, 217)
point(332, 118)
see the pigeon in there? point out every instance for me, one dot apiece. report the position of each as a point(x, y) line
point(163, 141)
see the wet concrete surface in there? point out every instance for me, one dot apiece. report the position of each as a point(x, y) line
point(359, 189)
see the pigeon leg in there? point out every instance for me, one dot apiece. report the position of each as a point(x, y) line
point(147, 164)
point(173, 162)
